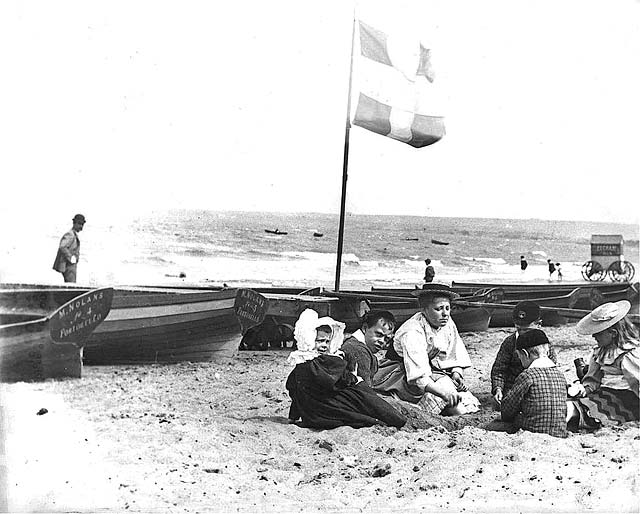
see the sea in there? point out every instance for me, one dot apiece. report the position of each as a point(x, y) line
point(198, 247)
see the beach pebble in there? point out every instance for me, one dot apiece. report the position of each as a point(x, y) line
point(325, 445)
point(381, 471)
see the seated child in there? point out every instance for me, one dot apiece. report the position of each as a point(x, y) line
point(324, 391)
point(537, 400)
point(507, 366)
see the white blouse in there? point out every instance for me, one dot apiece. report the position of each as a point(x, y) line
point(425, 349)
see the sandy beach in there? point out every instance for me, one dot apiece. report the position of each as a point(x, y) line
point(214, 437)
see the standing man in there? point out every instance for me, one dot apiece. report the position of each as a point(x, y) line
point(361, 346)
point(523, 263)
point(69, 250)
point(429, 272)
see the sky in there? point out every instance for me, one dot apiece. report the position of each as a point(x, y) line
point(120, 107)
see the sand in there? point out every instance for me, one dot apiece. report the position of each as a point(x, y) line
point(214, 437)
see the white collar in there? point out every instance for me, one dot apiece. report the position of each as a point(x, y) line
point(542, 362)
point(359, 335)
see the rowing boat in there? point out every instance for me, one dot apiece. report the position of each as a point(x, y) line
point(284, 308)
point(42, 336)
point(161, 324)
point(150, 325)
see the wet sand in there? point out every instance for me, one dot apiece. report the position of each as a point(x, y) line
point(214, 437)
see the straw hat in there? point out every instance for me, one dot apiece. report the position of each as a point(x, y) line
point(603, 317)
point(431, 289)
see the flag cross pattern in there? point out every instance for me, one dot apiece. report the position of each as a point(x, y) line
point(385, 118)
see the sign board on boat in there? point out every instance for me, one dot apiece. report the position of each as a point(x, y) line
point(250, 308)
point(76, 319)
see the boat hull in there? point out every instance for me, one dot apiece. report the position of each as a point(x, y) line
point(283, 309)
point(149, 324)
point(27, 353)
point(42, 332)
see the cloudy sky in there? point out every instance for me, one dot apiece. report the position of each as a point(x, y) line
point(121, 107)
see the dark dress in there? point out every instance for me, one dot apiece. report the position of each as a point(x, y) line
point(324, 394)
point(363, 356)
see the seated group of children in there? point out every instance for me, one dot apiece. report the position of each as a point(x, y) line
point(327, 391)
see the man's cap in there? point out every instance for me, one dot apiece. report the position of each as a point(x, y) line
point(531, 338)
point(603, 317)
point(79, 218)
point(525, 313)
point(435, 289)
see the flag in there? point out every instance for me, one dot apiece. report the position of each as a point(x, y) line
point(396, 96)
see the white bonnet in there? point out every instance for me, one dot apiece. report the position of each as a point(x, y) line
point(305, 331)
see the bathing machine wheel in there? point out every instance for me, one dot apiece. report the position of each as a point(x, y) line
point(593, 271)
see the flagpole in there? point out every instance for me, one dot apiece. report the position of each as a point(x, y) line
point(345, 163)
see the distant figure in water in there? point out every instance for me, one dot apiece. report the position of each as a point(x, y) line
point(523, 263)
point(66, 261)
point(552, 269)
point(558, 271)
point(429, 272)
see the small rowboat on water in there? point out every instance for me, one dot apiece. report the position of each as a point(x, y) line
point(277, 232)
point(436, 242)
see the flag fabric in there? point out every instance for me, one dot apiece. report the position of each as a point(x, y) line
point(373, 44)
point(396, 90)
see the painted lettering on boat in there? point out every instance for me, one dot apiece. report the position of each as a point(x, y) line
point(66, 331)
point(250, 308)
point(76, 319)
point(80, 302)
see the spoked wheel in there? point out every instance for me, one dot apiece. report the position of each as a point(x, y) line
point(621, 271)
point(593, 271)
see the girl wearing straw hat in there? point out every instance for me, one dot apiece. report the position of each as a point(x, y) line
point(609, 390)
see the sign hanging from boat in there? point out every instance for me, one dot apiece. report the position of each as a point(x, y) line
point(250, 308)
point(76, 319)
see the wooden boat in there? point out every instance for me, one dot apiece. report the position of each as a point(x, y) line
point(283, 309)
point(150, 325)
point(318, 234)
point(34, 346)
point(551, 316)
point(162, 324)
point(528, 286)
point(276, 232)
point(436, 242)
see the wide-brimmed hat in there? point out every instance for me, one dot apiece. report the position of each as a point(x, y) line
point(432, 289)
point(79, 218)
point(603, 317)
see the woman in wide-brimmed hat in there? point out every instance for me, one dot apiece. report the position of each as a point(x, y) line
point(609, 390)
